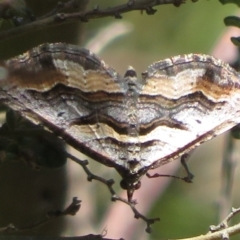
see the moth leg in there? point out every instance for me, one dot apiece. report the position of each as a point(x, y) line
point(187, 179)
point(189, 176)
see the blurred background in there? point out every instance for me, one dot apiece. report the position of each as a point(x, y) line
point(138, 40)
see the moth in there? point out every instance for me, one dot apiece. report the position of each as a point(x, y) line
point(131, 124)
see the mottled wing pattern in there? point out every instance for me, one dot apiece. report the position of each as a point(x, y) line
point(69, 90)
point(124, 122)
point(187, 100)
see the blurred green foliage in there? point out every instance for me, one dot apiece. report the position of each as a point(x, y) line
point(190, 28)
point(232, 21)
point(230, 1)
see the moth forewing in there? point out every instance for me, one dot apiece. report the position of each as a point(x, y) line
point(127, 123)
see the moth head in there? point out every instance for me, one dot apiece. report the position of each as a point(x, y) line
point(130, 73)
point(133, 83)
point(130, 187)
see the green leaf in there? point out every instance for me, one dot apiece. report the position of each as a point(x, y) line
point(237, 2)
point(236, 41)
point(232, 21)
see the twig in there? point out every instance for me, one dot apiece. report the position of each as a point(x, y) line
point(86, 237)
point(214, 234)
point(142, 5)
point(221, 231)
point(109, 183)
point(231, 231)
point(60, 7)
point(224, 223)
point(72, 209)
point(52, 19)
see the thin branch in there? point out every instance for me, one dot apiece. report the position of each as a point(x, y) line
point(72, 209)
point(60, 7)
point(54, 17)
point(132, 5)
point(86, 237)
point(224, 223)
point(231, 231)
point(221, 231)
point(109, 183)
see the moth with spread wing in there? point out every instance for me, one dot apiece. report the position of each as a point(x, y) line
point(129, 123)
